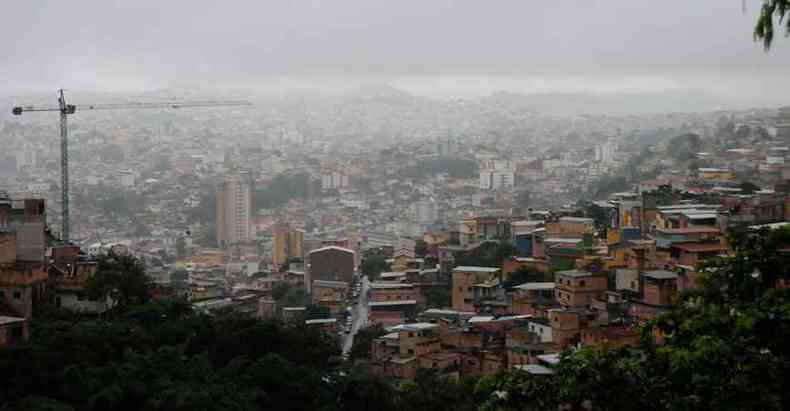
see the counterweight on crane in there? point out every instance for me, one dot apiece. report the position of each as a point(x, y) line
point(66, 109)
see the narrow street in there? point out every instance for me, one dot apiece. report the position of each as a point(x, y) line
point(359, 317)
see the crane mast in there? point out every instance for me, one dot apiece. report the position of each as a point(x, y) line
point(66, 109)
point(64, 165)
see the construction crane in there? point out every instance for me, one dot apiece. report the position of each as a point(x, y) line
point(66, 109)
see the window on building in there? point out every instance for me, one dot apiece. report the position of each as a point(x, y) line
point(633, 284)
point(411, 351)
point(434, 364)
point(411, 334)
point(581, 283)
point(17, 295)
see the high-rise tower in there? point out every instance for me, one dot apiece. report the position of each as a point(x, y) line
point(234, 209)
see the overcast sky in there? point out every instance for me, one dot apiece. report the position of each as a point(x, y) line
point(113, 44)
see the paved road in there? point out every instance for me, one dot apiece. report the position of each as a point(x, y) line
point(359, 317)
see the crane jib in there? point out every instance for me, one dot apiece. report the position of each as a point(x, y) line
point(65, 109)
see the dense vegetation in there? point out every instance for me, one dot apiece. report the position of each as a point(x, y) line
point(487, 254)
point(163, 356)
point(771, 10)
point(684, 147)
point(285, 187)
point(374, 262)
point(454, 167)
point(608, 185)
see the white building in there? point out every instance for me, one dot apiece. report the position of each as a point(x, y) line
point(333, 180)
point(542, 329)
point(26, 157)
point(38, 187)
point(605, 152)
point(127, 179)
point(497, 174)
point(425, 211)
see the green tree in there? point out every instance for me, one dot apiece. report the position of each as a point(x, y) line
point(286, 295)
point(179, 278)
point(438, 297)
point(684, 147)
point(771, 9)
point(206, 210)
point(373, 264)
point(454, 167)
point(747, 187)
point(358, 389)
point(600, 215)
point(523, 275)
point(283, 188)
point(608, 185)
point(421, 248)
point(363, 341)
point(181, 247)
point(430, 391)
point(314, 311)
point(122, 279)
point(488, 254)
point(522, 198)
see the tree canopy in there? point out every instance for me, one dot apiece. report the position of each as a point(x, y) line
point(523, 275)
point(122, 279)
point(684, 147)
point(771, 10)
point(488, 254)
point(454, 167)
point(373, 264)
point(283, 188)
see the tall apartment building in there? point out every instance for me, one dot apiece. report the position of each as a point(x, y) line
point(497, 174)
point(288, 243)
point(605, 152)
point(234, 209)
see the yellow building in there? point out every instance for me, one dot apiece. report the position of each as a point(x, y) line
point(716, 174)
point(287, 244)
point(570, 227)
point(280, 245)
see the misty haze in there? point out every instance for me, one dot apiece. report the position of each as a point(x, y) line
point(403, 205)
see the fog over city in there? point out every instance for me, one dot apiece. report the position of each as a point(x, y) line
point(435, 48)
point(394, 205)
